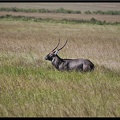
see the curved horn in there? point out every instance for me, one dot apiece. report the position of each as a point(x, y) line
point(63, 45)
point(57, 45)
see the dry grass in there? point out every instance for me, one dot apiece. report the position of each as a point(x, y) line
point(98, 43)
point(31, 87)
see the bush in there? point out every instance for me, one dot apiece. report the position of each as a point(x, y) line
point(87, 12)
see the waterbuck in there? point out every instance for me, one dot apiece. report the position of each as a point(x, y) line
point(68, 64)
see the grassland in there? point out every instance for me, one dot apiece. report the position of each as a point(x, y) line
point(32, 87)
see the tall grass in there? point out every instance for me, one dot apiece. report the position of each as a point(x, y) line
point(32, 87)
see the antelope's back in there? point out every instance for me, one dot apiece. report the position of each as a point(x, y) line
point(79, 64)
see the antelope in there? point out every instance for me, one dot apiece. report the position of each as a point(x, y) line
point(68, 64)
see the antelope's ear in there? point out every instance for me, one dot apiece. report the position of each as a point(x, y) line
point(56, 52)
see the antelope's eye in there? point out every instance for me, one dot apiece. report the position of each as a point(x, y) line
point(51, 54)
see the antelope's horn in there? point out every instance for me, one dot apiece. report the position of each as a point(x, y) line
point(57, 45)
point(63, 46)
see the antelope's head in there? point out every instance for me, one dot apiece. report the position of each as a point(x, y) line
point(54, 52)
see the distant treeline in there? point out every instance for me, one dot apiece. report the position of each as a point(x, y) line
point(61, 10)
point(66, 21)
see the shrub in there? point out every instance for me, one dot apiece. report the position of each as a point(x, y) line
point(87, 12)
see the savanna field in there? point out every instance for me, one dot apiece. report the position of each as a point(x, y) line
point(32, 87)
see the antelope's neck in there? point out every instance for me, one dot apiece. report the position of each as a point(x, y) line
point(57, 61)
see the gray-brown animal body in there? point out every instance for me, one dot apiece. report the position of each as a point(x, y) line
point(69, 64)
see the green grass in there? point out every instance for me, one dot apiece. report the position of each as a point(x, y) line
point(42, 92)
point(32, 87)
